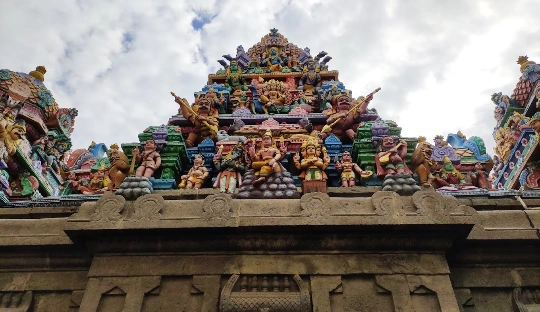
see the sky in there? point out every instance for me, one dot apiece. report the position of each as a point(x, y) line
point(437, 62)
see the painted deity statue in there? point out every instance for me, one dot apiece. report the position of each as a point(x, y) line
point(344, 118)
point(421, 161)
point(273, 61)
point(347, 170)
point(234, 80)
point(203, 116)
point(312, 165)
point(100, 182)
point(149, 161)
point(480, 178)
point(119, 168)
point(11, 134)
point(196, 176)
point(230, 167)
point(273, 96)
point(448, 176)
point(265, 160)
point(310, 79)
point(391, 158)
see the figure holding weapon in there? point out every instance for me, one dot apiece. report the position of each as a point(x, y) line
point(203, 116)
point(343, 121)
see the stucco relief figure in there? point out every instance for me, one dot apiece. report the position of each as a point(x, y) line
point(149, 161)
point(11, 134)
point(391, 158)
point(347, 170)
point(231, 167)
point(265, 160)
point(196, 176)
point(202, 115)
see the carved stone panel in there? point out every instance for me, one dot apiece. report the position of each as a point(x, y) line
point(285, 293)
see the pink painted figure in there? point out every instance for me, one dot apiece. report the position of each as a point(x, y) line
point(149, 160)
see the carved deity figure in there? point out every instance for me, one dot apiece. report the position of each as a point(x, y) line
point(344, 117)
point(196, 176)
point(203, 116)
point(265, 160)
point(422, 163)
point(312, 165)
point(99, 183)
point(347, 170)
point(480, 177)
point(310, 79)
point(273, 61)
point(11, 134)
point(119, 168)
point(231, 167)
point(149, 161)
point(274, 97)
point(234, 80)
point(449, 175)
point(391, 158)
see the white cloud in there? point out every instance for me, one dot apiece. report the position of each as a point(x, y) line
point(437, 63)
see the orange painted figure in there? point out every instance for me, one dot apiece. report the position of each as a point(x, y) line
point(265, 159)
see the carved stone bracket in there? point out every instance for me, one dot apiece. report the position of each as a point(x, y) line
point(148, 207)
point(218, 206)
point(387, 203)
point(315, 205)
point(114, 208)
point(108, 208)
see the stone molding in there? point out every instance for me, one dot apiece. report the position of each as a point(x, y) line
point(221, 210)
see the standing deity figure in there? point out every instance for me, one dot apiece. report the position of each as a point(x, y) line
point(313, 163)
point(391, 158)
point(202, 115)
point(230, 167)
point(348, 170)
point(265, 160)
point(310, 79)
point(234, 80)
point(196, 176)
point(149, 161)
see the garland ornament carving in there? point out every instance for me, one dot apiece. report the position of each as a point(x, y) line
point(108, 208)
point(429, 200)
point(218, 206)
point(315, 205)
point(148, 207)
point(386, 202)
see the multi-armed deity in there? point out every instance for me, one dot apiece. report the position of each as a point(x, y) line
point(274, 121)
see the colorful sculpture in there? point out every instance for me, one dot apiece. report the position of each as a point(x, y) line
point(203, 116)
point(265, 159)
point(119, 166)
point(314, 162)
point(422, 162)
point(196, 176)
point(344, 117)
point(347, 170)
point(234, 79)
point(391, 158)
point(230, 167)
point(148, 161)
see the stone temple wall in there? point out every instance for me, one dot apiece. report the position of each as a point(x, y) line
point(348, 250)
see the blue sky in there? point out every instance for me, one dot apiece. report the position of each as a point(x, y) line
point(116, 61)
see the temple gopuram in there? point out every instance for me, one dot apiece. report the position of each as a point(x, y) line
point(272, 189)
